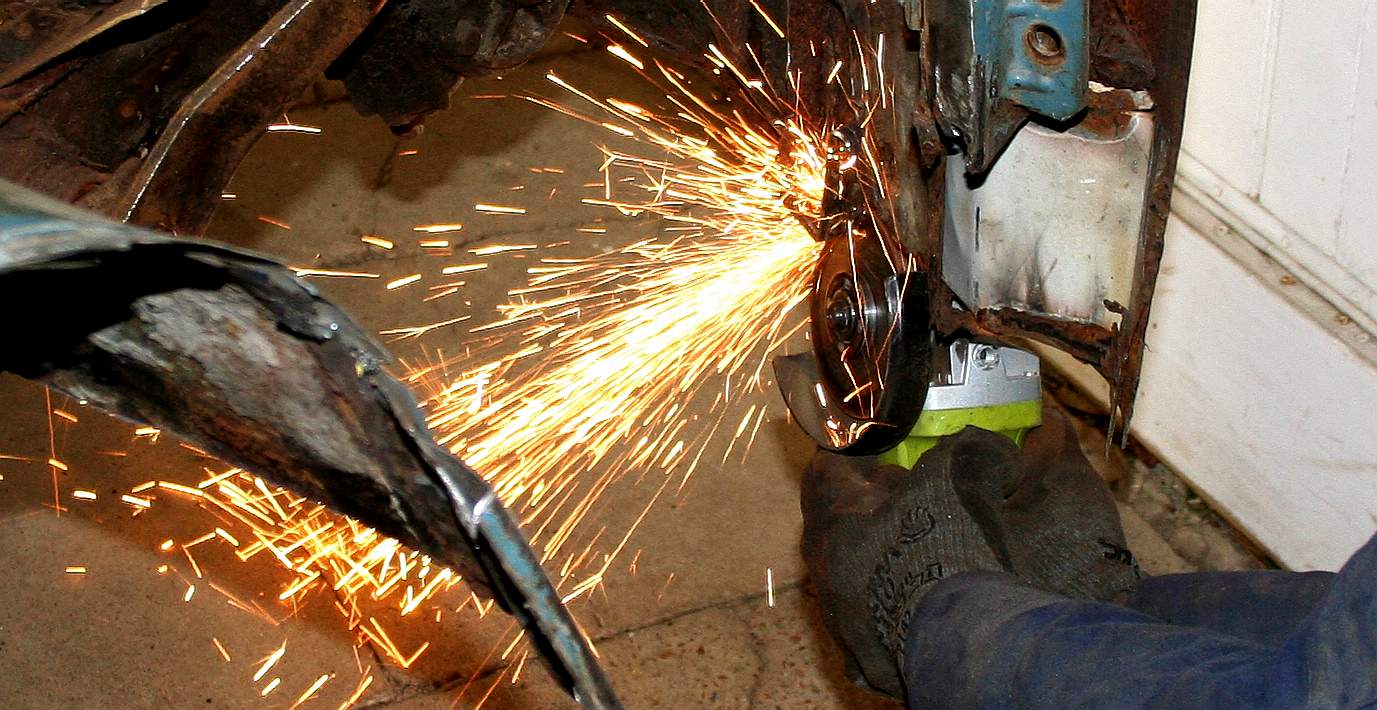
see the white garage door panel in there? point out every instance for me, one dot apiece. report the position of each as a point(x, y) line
point(1311, 115)
point(1281, 135)
point(1259, 407)
point(1358, 227)
point(1228, 135)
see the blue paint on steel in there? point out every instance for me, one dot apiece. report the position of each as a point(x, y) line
point(1054, 86)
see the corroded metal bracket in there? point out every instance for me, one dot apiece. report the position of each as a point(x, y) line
point(994, 63)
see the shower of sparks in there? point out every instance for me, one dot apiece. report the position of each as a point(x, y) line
point(618, 368)
point(322, 550)
point(606, 360)
point(609, 354)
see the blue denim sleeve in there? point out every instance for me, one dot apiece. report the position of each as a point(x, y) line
point(1248, 639)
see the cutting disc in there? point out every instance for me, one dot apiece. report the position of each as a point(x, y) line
point(862, 387)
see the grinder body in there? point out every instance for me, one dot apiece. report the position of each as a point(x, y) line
point(993, 387)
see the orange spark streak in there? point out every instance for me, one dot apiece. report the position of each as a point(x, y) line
point(403, 281)
point(619, 52)
point(293, 128)
point(269, 662)
point(499, 209)
point(768, 20)
point(438, 228)
point(500, 249)
point(627, 30)
point(359, 690)
point(305, 271)
point(462, 269)
point(311, 690)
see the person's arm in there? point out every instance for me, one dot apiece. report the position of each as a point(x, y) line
point(1020, 646)
point(987, 640)
point(1266, 606)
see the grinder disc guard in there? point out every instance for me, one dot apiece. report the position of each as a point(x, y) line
point(862, 387)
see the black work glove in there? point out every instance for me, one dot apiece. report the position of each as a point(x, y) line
point(877, 537)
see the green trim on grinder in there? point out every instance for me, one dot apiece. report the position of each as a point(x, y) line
point(1012, 420)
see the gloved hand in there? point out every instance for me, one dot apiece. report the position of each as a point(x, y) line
point(877, 537)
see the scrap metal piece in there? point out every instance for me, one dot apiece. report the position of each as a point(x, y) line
point(143, 109)
point(179, 181)
point(231, 352)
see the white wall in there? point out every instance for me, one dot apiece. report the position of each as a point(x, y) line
point(1261, 389)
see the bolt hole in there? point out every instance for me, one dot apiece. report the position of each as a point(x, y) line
point(986, 357)
point(1044, 42)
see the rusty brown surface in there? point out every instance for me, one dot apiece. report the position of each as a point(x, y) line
point(33, 35)
point(1168, 31)
point(419, 50)
point(142, 113)
point(176, 185)
point(88, 118)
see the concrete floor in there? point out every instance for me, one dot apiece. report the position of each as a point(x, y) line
point(691, 627)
